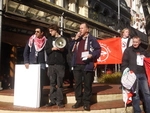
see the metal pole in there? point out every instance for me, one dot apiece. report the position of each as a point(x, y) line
point(61, 24)
point(1, 3)
point(95, 77)
point(118, 29)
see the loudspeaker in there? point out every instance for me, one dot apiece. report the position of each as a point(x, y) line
point(60, 42)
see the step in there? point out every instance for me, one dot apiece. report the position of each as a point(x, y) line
point(107, 98)
point(101, 93)
point(116, 106)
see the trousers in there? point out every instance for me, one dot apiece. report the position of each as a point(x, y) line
point(56, 74)
point(83, 80)
point(142, 85)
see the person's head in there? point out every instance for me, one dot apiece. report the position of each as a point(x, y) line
point(53, 29)
point(136, 41)
point(125, 33)
point(84, 29)
point(39, 32)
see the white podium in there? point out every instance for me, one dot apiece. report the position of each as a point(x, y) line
point(27, 86)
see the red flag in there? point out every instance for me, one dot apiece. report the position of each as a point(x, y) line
point(111, 52)
point(147, 68)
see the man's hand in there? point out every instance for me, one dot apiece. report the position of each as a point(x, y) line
point(77, 36)
point(89, 56)
point(27, 65)
point(55, 48)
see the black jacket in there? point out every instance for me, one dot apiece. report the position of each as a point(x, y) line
point(55, 57)
point(129, 59)
point(30, 57)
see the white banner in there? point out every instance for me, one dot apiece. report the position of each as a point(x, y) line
point(27, 85)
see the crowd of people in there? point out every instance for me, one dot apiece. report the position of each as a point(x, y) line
point(79, 53)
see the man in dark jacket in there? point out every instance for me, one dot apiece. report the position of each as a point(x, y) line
point(86, 50)
point(56, 66)
point(34, 53)
point(133, 59)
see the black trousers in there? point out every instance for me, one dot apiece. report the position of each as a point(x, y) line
point(83, 77)
point(42, 80)
point(71, 77)
point(56, 74)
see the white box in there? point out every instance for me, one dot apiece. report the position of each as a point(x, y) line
point(27, 85)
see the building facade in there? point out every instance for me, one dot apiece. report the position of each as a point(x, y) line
point(105, 18)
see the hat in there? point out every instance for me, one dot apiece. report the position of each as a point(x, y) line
point(73, 35)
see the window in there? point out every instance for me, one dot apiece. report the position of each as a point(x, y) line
point(66, 4)
point(53, 1)
point(77, 6)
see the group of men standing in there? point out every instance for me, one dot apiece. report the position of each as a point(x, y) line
point(85, 50)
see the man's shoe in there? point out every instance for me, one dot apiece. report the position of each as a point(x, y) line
point(86, 107)
point(70, 86)
point(50, 104)
point(61, 105)
point(77, 105)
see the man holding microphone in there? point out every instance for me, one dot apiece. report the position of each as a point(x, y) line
point(86, 50)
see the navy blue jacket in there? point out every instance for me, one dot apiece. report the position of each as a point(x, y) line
point(30, 57)
point(92, 43)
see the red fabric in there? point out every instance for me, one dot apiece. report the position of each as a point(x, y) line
point(147, 68)
point(38, 42)
point(130, 95)
point(127, 96)
point(111, 52)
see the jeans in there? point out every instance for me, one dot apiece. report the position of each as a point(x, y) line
point(81, 77)
point(56, 74)
point(142, 85)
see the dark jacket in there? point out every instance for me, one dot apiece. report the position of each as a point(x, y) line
point(55, 57)
point(129, 59)
point(30, 57)
point(92, 44)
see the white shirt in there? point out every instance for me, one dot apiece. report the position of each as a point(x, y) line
point(124, 43)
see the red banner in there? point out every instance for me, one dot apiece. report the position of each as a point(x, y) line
point(147, 68)
point(111, 52)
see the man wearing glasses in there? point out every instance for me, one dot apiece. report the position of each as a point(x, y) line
point(34, 53)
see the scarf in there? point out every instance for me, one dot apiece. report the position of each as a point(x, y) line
point(39, 43)
point(77, 43)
